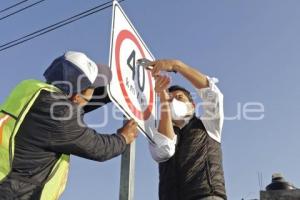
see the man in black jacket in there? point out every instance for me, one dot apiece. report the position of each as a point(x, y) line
point(54, 126)
point(188, 148)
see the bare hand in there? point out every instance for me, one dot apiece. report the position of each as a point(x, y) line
point(161, 83)
point(129, 131)
point(163, 65)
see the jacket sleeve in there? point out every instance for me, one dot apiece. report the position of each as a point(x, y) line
point(72, 136)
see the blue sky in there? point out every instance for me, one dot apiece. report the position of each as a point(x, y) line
point(253, 47)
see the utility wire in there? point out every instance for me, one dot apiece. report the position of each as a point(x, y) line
point(56, 25)
point(12, 6)
point(20, 10)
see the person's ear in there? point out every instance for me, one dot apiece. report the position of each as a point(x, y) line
point(75, 98)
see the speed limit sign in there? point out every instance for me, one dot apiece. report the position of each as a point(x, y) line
point(132, 86)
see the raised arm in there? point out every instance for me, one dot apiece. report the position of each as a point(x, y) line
point(165, 122)
point(69, 137)
point(164, 137)
point(198, 79)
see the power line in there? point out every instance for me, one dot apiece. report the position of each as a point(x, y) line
point(46, 30)
point(12, 6)
point(56, 25)
point(20, 10)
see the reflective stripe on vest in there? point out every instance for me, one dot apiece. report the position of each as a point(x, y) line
point(3, 121)
point(12, 114)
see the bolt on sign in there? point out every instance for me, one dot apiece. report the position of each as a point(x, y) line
point(132, 86)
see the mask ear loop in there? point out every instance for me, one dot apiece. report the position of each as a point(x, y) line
point(194, 105)
point(191, 114)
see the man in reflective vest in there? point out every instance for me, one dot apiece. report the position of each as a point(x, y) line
point(41, 126)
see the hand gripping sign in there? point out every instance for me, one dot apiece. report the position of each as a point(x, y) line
point(132, 86)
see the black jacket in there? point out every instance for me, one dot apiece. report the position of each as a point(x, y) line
point(43, 137)
point(195, 170)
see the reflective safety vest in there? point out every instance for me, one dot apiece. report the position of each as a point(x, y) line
point(12, 114)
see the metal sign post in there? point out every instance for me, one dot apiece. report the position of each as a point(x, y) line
point(127, 173)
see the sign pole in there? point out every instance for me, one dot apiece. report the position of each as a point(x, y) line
point(131, 89)
point(127, 177)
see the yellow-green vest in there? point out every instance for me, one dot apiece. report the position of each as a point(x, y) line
point(12, 114)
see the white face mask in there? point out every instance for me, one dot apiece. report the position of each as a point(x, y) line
point(180, 110)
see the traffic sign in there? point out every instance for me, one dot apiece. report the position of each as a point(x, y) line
point(132, 86)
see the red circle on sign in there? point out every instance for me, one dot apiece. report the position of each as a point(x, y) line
point(142, 115)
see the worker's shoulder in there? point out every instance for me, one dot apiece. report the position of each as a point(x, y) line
point(55, 104)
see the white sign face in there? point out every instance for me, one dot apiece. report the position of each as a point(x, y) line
point(132, 86)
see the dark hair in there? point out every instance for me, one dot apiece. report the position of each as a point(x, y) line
point(185, 91)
